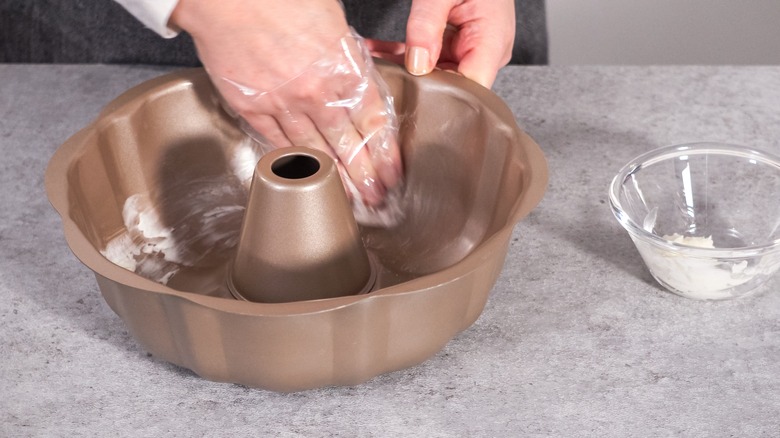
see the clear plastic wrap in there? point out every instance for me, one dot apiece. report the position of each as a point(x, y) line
point(341, 105)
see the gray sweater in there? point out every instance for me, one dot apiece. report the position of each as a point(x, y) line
point(101, 31)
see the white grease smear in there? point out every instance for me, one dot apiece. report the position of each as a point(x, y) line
point(142, 218)
point(207, 224)
point(695, 241)
point(244, 160)
point(207, 214)
point(121, 251)
point(147, 247)
point(700, 277)
point(153, 250)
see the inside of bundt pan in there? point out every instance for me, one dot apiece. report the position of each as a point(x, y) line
point(161, 183)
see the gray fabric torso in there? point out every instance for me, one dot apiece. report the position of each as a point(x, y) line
point(101, 31)
point(386, 19)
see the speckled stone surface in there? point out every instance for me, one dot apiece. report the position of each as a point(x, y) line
point(576, 339)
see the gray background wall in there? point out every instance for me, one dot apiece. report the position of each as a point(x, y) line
point(664, 31)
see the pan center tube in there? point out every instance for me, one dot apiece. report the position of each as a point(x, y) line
point(299, 239)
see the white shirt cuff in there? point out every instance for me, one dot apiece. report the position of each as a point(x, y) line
point(154, 14)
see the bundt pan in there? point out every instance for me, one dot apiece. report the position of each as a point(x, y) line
point(152, 196)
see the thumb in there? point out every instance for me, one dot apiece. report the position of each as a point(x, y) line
point(480, 66)
point(424, 34)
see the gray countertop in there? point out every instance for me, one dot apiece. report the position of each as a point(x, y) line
point(576, 338)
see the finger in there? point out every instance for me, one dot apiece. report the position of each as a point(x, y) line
point(374, 119)
point(389, 47)
point(424, 33)
point(302, 132)
point(349, 187)
point(480, 68)
point(447, 53)
point(484, 40)
point(335, 126)
point(482, 60)
point(343, 142)
point(369, 122)
point(374, 123)
point(386, 156)
point(363, 178)
point(269, 128)
point(392, 51)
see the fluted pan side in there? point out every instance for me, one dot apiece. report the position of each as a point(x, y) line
point(163, 171)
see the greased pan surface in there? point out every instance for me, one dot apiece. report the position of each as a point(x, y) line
point(471, 175)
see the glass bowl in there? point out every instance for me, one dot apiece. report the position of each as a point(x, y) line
point(705, 217)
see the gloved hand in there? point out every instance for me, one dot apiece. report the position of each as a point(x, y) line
point(295, 73)
point(471, 37)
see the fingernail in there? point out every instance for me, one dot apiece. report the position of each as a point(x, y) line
point(373, 193)
point(418, 61)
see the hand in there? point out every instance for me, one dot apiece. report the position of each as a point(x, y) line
point(294, 73)
point(471, 37)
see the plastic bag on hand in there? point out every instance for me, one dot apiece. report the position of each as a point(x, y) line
point(341, 105)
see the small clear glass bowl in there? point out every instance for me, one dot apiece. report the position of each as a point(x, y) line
point(705, 217)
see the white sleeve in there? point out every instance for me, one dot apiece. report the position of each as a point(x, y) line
point(154, 14)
